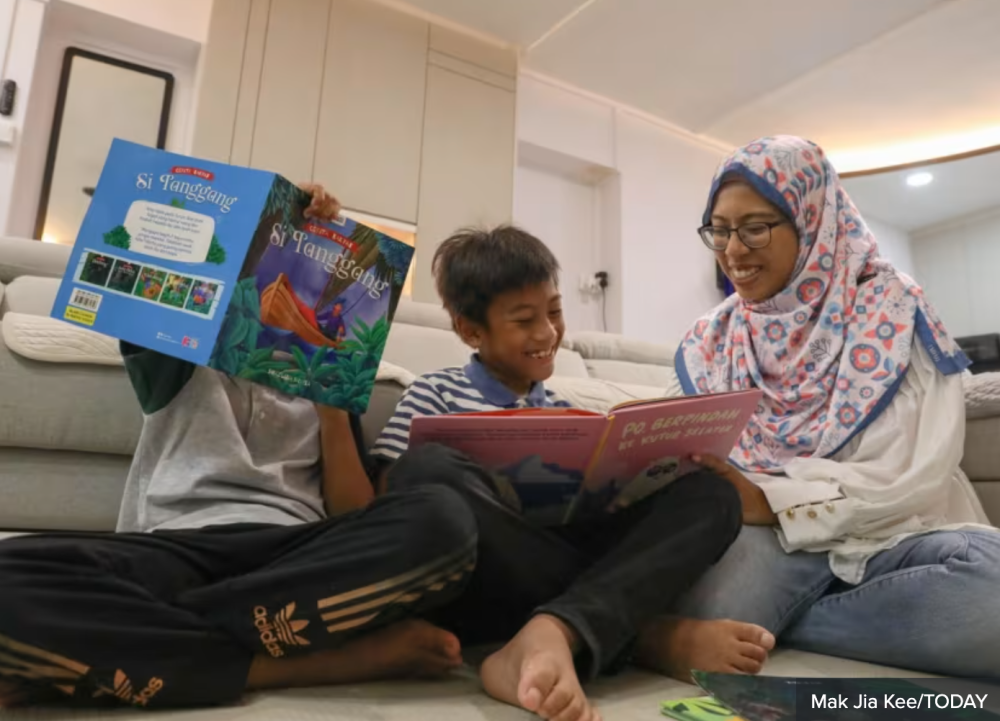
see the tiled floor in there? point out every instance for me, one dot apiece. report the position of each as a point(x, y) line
point(632, 696)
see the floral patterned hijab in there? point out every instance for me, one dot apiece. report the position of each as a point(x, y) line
point(832, 348)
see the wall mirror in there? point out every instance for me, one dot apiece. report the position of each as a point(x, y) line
point(940, 223)
point(100, 98)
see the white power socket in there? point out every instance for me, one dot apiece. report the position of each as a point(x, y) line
point(589, 285)
point(8, 133)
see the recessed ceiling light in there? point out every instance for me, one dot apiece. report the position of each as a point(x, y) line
point(916, 180)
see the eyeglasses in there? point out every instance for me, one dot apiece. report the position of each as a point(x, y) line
point(752, 235)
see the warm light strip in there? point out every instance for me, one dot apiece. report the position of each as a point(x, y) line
point(848, 161)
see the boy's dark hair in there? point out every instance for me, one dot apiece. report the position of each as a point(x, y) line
point(474, 266)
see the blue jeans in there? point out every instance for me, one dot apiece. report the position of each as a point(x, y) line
point(931, 604)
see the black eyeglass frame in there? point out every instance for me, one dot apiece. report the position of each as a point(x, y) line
point(706, 234)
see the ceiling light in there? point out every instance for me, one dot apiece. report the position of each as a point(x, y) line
point(916, 180)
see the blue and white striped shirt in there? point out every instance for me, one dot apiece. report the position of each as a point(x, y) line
point(455, 390)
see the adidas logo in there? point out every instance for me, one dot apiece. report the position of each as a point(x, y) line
point(279, 631)
point(124, 690)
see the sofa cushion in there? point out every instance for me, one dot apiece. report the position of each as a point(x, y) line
point(989, 495)
point(422, 350)
point(594, 345)
point(982, 449)
point(619, 371)
point(570, 364)
point(60, 490)
point(381, 407)
point(30, 294)
point(429, 315)
point(2, 286)
point(19, 256)
point(595, 394)
point(982, 395)
point(47, 339)
point(67, 406)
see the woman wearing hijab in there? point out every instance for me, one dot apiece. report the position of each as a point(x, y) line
point(862, 538)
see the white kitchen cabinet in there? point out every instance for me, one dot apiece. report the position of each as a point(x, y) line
point(401, 119)
point(220, 80)
point(249, 88)
point(287, 115)
point(372, 108)
point(467, 172)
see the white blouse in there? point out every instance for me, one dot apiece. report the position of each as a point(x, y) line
point(898, 478)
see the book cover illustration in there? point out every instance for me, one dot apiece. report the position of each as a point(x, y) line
point(217, 265)
point(648, 445)
point(313, 304)
point(702, 708)
point(565, 464)
point(538, 460)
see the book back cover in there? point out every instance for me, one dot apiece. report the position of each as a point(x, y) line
point(160, 249)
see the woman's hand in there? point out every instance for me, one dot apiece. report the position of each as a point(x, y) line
point(756, 510)
point(323, 206)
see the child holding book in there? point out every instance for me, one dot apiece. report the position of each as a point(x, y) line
point(250, 554)
point(584, 596)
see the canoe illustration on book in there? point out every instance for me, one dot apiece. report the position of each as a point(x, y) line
point(281, 308)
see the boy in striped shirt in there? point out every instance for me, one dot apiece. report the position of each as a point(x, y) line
point(582, 597)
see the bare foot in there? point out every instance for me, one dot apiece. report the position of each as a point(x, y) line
point(676, 646)
point(535, 671)
point(408, 649)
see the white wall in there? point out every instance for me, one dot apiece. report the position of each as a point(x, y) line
point(957, 264)
point(562, 211)
point(662, 278)
point(40, 56)
point(668, 276)
point(21, 23)
point(894, 244)
point(186, 18)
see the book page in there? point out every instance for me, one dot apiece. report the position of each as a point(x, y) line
point(650, 445)
point(542, 457)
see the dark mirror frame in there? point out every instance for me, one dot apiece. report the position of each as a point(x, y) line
point(57, 118)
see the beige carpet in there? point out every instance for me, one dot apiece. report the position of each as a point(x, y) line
point(632, 696)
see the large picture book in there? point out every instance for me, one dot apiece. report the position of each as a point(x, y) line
point(217, 265)
point(564, 464)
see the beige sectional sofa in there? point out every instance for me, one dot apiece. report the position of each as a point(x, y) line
point(69, 424)
point(68, 428)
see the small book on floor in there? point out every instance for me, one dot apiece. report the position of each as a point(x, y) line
point(560, 465)
point(773, 698)
point(217, 265)
point(702, 708)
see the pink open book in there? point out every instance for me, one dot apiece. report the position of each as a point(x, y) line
point(563, 464)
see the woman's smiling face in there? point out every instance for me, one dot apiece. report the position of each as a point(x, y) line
point(757, 273)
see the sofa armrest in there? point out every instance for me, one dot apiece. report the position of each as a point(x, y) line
point(19, 256)
point(989, 496)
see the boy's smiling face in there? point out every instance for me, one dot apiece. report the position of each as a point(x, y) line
point(523, 330)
